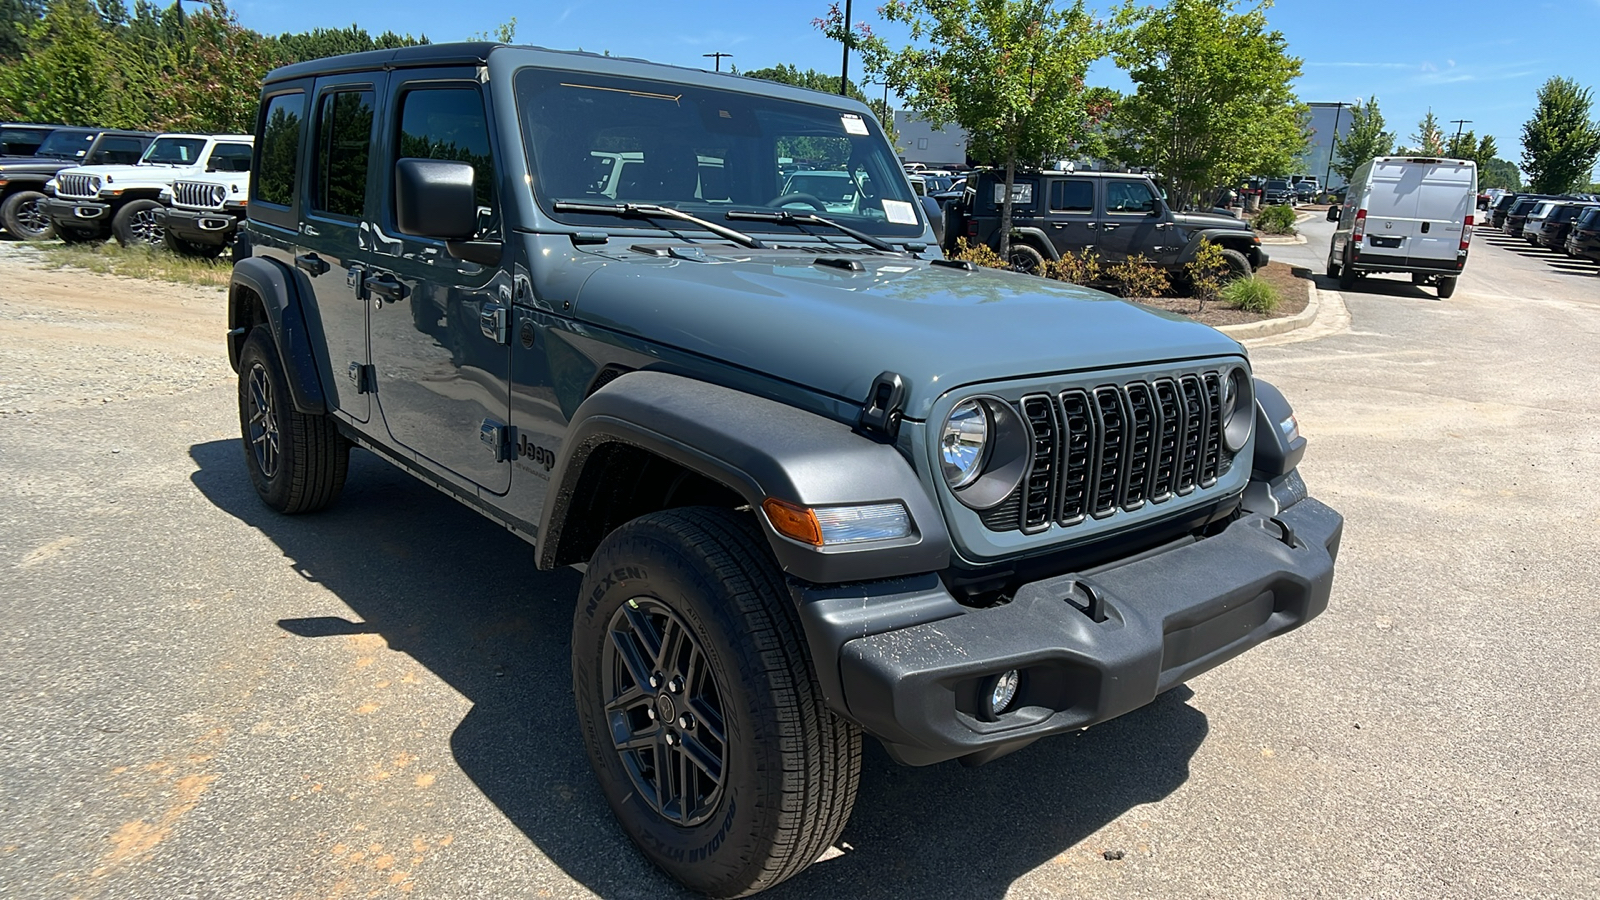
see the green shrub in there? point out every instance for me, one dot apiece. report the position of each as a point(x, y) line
point(1206, 272)
point(1276, 219)
point(1251, 295)
point(1074, 268)
point(1138, 277)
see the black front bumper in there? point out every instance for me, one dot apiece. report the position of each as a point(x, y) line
point(78, 213)
point(211, 228)
point(908, 663)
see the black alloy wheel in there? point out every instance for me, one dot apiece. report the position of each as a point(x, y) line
point(140, 223)
point(665, 711)
point(262, 420)
point(23, 214)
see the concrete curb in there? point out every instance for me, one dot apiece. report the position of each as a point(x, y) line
point(1271, 327)
point(1282, 239)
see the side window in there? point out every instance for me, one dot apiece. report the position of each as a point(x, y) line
point(449, 123)
point(344, 133)
point(229, 158)
point(1072, 196)
point(278, 148)
point(1129, 197)
point(117, 151)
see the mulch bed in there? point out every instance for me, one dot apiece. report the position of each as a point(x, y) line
point(1294, 285)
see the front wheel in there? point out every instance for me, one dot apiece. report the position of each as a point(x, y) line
point(1238, 266)
point(23, 214)
point(138, 224)
point(699, 708)
point(297, 461)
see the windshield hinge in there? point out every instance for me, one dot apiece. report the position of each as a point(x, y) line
point(880, 416)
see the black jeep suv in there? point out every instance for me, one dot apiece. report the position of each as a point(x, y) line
point(1115, 215)
point(822, 482)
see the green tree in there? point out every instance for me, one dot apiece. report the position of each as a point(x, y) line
point(69, 73)
point(1365, 140)
point(1011, 72)
point(1560, 143)
point(16, 16)
point(1499, 173)
point(1428, 140)
point(1214, 99)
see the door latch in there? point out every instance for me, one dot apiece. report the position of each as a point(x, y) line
point(880, 415)
point(364, 377)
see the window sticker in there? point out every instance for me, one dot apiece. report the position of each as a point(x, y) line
point(900, 212)
point(1021, 194)
point(853, 124)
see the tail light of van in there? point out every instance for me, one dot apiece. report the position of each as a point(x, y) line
point(1359, 229)
point(1466, 234)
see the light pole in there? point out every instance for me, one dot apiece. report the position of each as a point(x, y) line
point(844, 67)
point(719, 57)
point(1459, 124)
point(1328, 172)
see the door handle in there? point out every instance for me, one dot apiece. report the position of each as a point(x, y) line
point(1111, 226)
point(1059, 224)
point(312, 263)
point(1163, 225)
point(387, 286)
point(1091, 224)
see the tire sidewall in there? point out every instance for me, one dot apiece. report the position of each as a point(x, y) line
point(1027, 257)
point(642, 561)
point(122, 224)
point(9, 210)
point(259, 350)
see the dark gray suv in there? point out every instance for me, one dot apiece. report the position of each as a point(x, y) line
point(822, 482)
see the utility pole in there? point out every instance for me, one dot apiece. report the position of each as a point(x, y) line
point(719, 57)
point(844, 68)
point(1459, 124)
point(1328, 173)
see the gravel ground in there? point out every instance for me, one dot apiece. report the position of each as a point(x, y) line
point(204, 699)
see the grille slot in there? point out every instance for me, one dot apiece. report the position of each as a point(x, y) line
point(72, 185)
point(198, 194)
point(1115, 448)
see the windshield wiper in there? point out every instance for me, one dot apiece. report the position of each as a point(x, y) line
point(784, 217)
point(651, 210)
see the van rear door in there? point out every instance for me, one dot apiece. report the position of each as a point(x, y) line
point(1417, 210)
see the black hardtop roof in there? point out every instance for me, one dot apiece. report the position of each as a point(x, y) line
point(476, 53)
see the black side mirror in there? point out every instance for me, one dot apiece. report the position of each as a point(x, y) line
point(434, 198)
point(1333, 214)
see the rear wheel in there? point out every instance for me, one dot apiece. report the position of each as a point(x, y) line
point(1026, 258)
point(1447, 286)
point(1347, 273)
point(23, 215)
point(297, 461)
point(699, 708)
point(1333, 267)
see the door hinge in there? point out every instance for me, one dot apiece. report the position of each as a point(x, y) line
point(880, 415)
point(493, 322)
point(502, 439)
point(364, 377)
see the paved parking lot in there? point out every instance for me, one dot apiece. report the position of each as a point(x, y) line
point(205, 699)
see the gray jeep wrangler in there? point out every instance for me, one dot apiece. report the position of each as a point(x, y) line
point(821, 481)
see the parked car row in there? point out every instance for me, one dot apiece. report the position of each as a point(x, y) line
point(186, 191)
point(1566, 225)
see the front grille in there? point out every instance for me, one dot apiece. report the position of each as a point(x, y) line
point(86, 186)
point(1114, 448)
point(199, 195)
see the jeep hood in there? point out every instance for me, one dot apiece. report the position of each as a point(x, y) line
point(144, 175)
point(834, 330)
point(32, 164)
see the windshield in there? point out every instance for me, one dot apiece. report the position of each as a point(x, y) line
point(174, 151)
point(1277, 185)
point(603, 139)
point(66, 144)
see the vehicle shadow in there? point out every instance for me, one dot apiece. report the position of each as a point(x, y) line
point(1387, 286)
point(463, 598)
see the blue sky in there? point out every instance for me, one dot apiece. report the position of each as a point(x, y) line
point(1471, 59)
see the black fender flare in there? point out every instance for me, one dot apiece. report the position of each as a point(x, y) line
point(758, 448)
point(279, 291)
point(1035, 237)
point(1226, 238)
point(1277, 452)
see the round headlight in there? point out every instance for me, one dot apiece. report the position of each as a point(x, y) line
point(1238, 412)
point(962, 443)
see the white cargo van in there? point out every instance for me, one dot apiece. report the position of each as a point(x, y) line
point(1405, 214)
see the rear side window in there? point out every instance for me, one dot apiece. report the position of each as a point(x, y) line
point(449, 123)
point(22, 141)
point(1072, 196)
point(344, 134)
point(278, 146)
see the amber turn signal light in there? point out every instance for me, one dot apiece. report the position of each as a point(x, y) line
point(793, 521)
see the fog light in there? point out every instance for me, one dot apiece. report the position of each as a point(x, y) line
point(1002, 691)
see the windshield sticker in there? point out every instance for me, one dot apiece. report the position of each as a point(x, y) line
point(900, 212)
point(853, 124)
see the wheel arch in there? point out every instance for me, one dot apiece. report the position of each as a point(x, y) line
point(263, 292)
point(1034, 237)
point(651, 440)
point(1226, 238)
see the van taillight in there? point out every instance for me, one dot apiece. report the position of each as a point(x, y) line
point(1359, 230)
point(1466, 234)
